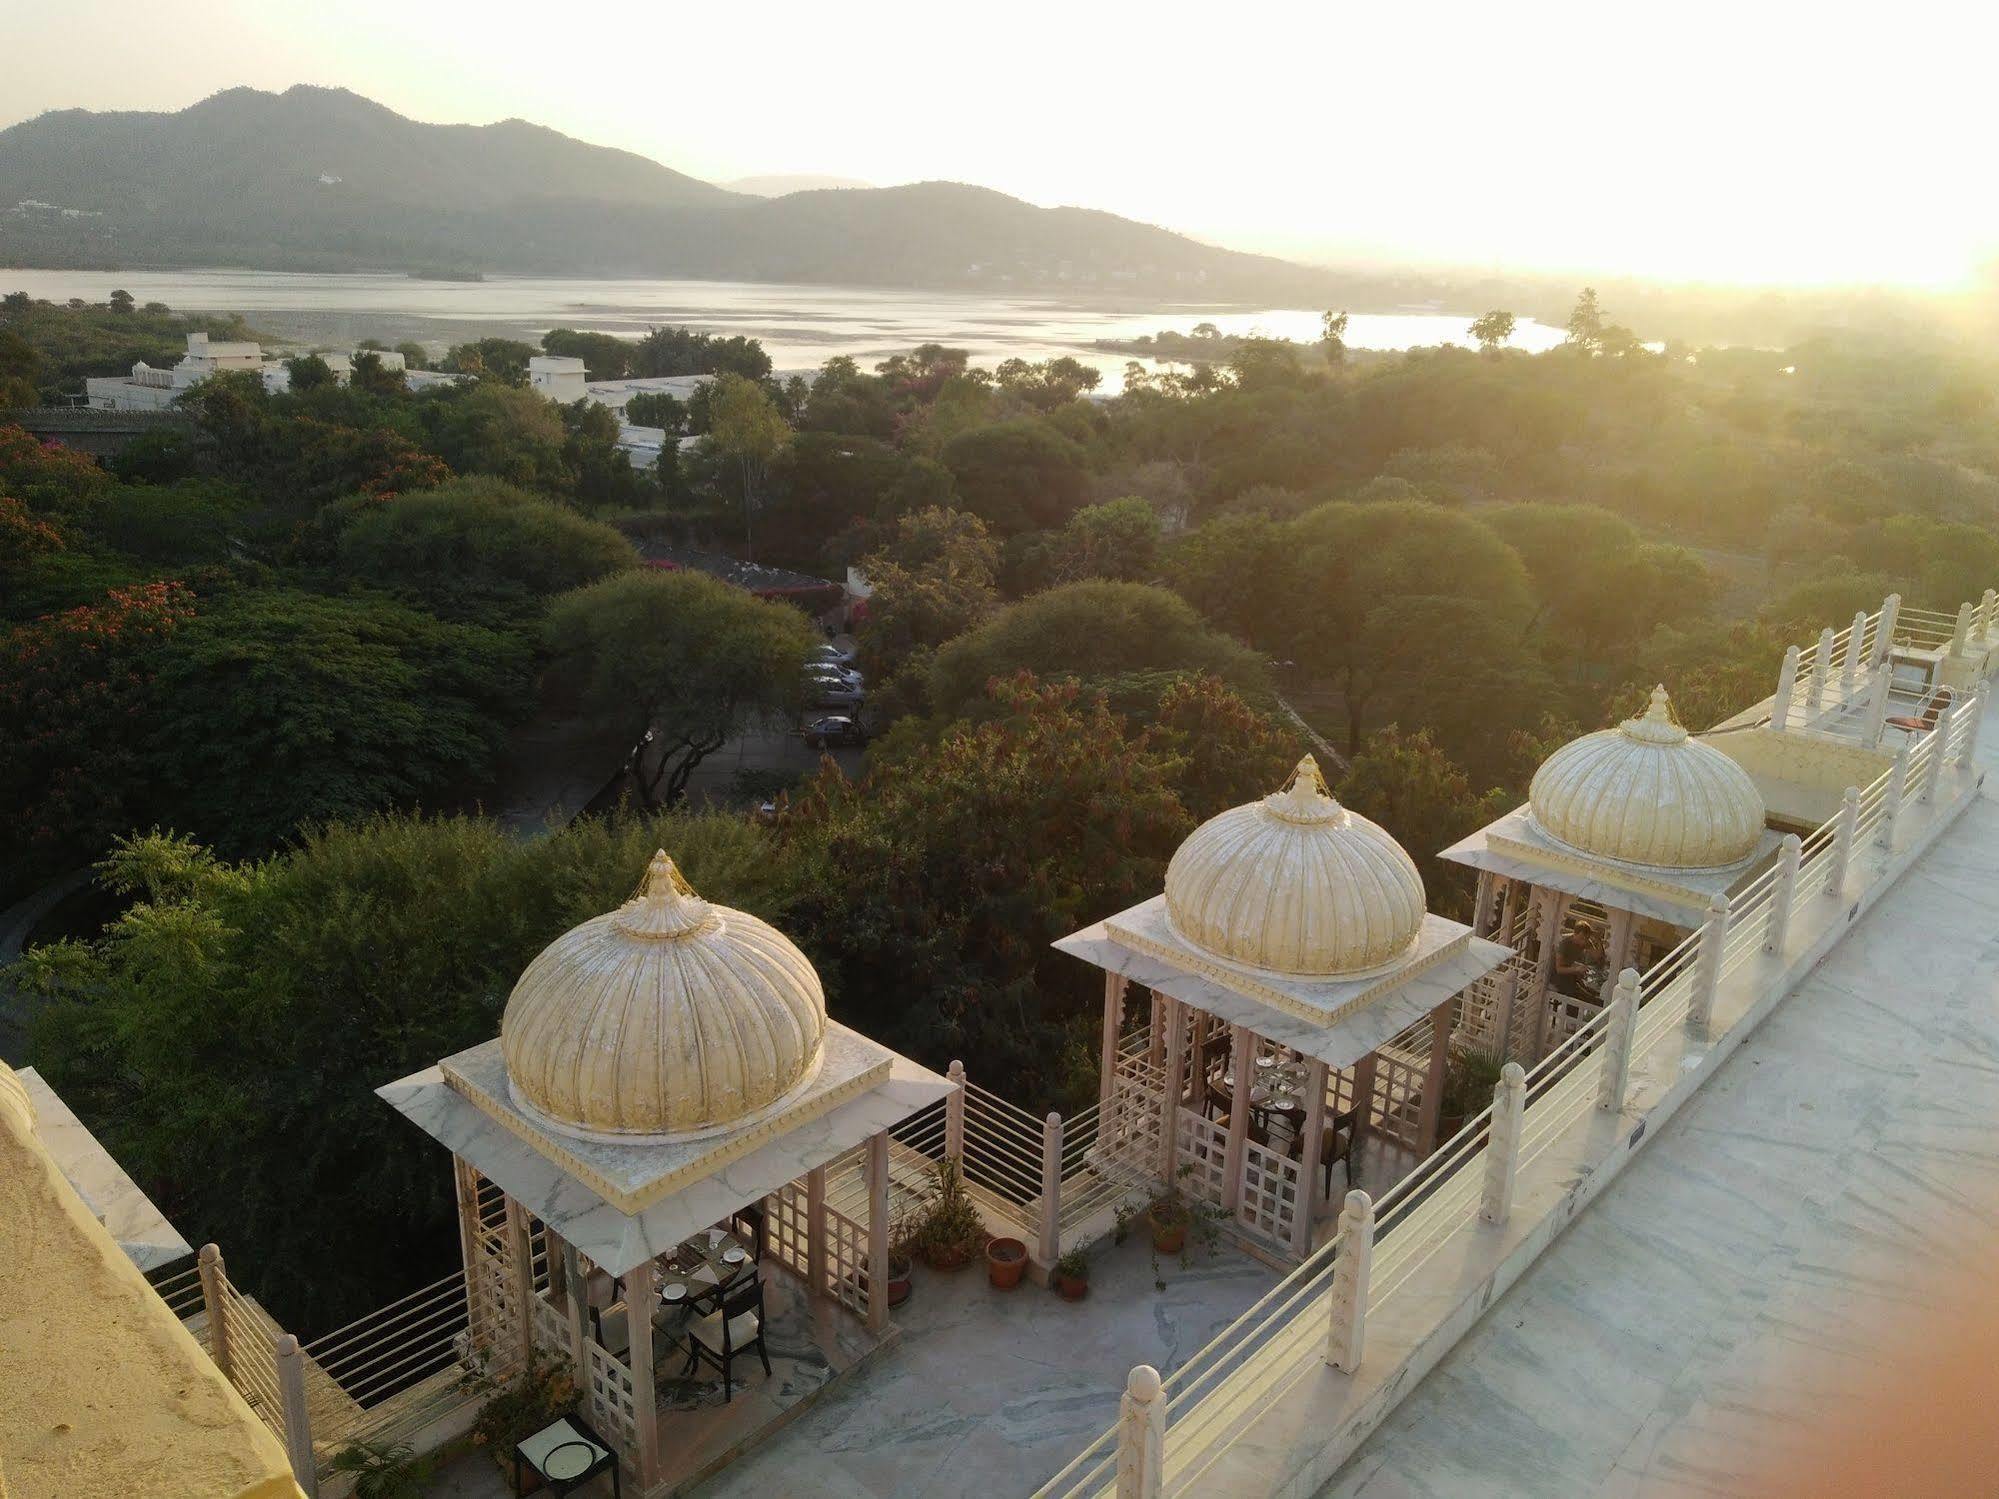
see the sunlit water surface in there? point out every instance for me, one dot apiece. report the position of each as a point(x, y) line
point(800, 326)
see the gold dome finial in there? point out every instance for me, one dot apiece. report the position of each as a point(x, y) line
point(666, 906)
point(1658, 725)
point(1304, 797)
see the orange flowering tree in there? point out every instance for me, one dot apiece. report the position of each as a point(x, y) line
point(73, 688)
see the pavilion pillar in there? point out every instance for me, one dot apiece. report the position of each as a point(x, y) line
point(1433, 1081)
point(641, 1297)
point(1509, 983)
point(1309, 1156)
point(478, 1313)
point(1547, 933)
point(1816, 683)
point(1363, 1102)
point(1156, 1051)
point(1242, 1070)
point(1114, 984)
point(575, 1294)
point(815, 1230)
point(878, 1230)
point(521, 1262)
point(1172, 1083)
point(1481, 904)
point(1617, 941)
point(1197, 1059)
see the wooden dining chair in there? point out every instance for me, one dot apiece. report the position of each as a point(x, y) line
point(1932, 711)
point(735, 1328)
point(1335, 1144)
point(748, 1224)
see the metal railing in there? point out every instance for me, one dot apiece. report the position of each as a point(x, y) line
point(1560, 1088)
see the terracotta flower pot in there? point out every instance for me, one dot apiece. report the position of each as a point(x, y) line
point(1167, 1234)
point(1072, 1287)
point(1006, 1261)
point(899, 1283)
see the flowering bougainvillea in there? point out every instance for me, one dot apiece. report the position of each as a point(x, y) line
point(72, 690)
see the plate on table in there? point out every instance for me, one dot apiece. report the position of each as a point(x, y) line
point(673, 1291)
point(734, 1255)
point(1266, 1061)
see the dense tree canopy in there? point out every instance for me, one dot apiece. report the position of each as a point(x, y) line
point(226, 1035)
point(1087, 631)
point(676, 663)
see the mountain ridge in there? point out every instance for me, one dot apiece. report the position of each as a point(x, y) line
point(325, 179)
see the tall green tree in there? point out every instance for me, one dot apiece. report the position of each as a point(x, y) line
point(677, 663)
point(747, 429)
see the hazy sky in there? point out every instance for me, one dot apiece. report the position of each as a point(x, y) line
point(1808, 143)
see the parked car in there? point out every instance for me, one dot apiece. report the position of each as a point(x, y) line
point(834, 729)
point(831, 654)
point(832, 692)
point(827, 671)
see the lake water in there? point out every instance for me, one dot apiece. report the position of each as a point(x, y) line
point(800, 326)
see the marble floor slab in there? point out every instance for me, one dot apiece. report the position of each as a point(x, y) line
point(1696, 1324)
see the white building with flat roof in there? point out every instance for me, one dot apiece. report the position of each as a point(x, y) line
point(559, 377)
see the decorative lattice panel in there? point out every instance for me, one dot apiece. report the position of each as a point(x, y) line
point(1269, 1193)
point(1203, 1147)
point(609, 1392)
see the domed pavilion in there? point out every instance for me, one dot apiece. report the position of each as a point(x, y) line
point(1301, 1003)
point(668, 1125)
point(1627, 835)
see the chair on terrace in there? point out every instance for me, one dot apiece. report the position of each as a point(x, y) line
point(735, 1329)
point(1932, 710)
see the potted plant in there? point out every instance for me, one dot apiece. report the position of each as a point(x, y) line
point(952, 1230)
point(520, 1407)
point(900, 1261)
point(1072, 1275)
point(1006, 1259)
point(385, 1470)
point(1469, 1077)
point(1167, 1217)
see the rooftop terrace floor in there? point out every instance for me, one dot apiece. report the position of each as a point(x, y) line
point(1698, 1321)
point(989, 1393)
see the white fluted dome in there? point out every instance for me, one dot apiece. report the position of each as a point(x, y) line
point(1646, 793)
point(1297, 884)
point(667, 1017)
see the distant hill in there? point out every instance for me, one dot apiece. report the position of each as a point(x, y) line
point(778, 184)
point(322, 179)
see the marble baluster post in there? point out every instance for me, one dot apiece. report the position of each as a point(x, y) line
point(1783, 895)
point(1884, 629)
point(1856, 645)
point(1707, 966)
point(214, 1278)
point(1502, 1152)
point(1960, 634)
point(1346, 1303)
point(1940, 740)
point(1821, 664)
point(289, 1365)
point(954, 1117)
point(1841, 852)
point(1141, 1437)
point(1877, 708)
point(1051, 1189)
point(1965, 756)
point(1619, 1023)
point(1787, 686)
point(1892, 799)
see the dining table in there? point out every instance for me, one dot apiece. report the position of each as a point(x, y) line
point(693, 1276)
